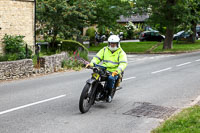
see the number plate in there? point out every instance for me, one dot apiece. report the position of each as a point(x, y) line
point(95, 75)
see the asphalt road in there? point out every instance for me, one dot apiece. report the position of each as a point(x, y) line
point(154, 86)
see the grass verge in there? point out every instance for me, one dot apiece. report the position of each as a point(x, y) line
point(187, 121)
point(179, 47)
point(146, 47)
point(128, 47)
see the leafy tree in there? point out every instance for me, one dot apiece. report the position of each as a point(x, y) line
point(193, 17)
point(166, 13)
point(108, 12)
point(61, 18)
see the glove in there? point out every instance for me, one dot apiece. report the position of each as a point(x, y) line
point(114, 73)
point(88, 66)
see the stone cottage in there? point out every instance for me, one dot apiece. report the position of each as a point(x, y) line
point(17, 18)
point(135, 19)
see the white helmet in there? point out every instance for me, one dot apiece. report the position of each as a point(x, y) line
point(113, 39)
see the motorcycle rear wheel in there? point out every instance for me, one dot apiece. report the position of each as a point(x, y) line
point(86, 99)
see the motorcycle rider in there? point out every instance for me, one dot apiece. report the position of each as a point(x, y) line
point(114, 58)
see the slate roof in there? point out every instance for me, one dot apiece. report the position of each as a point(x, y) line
point(133, 18)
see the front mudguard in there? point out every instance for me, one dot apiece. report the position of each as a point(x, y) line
point(91, 81)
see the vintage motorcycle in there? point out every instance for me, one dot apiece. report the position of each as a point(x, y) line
point(96, 88)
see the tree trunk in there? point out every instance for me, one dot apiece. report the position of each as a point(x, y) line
point(192, 38)
point(168, 43)
point(52, 44)
point(53, 41)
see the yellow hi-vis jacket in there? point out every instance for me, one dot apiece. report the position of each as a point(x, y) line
point(116, 61)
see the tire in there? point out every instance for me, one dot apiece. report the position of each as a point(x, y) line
point(85, 101)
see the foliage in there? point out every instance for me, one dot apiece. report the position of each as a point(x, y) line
point(72, 16)
point(108, 12)
point(3, 58)
point(167, 13)
point(103, 30)
point(71, 64)
point(61, 18)
point(70, 45)
point(161, 29)
point(83, 55)
point(187, 121)
point(15, 48)
point(75, 61)
point(193, 18)
point(133, 31)
point(130, 29)
point(64, 45)
point(91, 33)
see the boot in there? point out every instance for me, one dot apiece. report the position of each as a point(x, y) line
point(118, 82)
point(109, 98)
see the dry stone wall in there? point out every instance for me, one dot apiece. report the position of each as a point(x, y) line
point(25, 68)
point(16, 69)
point(49, 64)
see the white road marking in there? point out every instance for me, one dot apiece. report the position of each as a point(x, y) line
point(31, 104)
point(183, 64)
point(197, 60)
point(129, 78)
point(134, 58)
point(161, 70)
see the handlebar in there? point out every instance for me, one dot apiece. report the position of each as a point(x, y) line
point(96, 65)
point(99, 68)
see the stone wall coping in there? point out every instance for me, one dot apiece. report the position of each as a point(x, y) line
point(25, 68)
point(17, 61)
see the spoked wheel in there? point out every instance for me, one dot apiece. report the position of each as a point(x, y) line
point(86, 100)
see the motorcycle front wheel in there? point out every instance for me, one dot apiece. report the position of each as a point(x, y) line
point(86, 99)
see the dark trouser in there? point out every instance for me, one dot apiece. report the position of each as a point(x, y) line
point(111, 83)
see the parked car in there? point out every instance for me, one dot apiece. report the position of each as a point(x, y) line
point(198, 30)
point(151, 36)
point(183, 35)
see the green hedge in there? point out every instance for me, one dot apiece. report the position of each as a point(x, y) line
point(65, 45)
point(70, 45)
point(91, 33)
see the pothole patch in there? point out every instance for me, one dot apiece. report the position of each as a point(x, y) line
point(151, 111)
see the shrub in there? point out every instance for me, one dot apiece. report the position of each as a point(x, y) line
point(83, 55)
point(15, 48)
point(70, 45)
point(34, 58)
point(91, 33)
point(75, 61)
point(66, 45)
point(72, 64)
point(3, 58)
